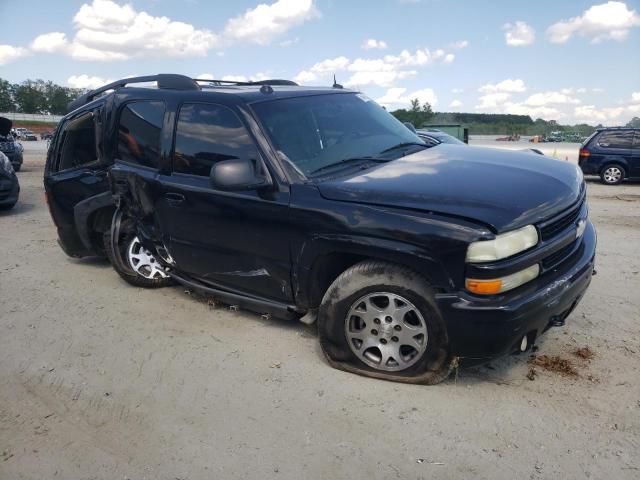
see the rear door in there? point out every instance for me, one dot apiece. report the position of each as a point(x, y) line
point(75, 171)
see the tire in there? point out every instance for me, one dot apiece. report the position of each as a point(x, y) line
point(612, 174)
point(8, 206)
point(410, 326)
point(17, 168)
point(130, 274)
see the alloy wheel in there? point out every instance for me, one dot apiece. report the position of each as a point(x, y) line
point(386, 331)
point(612, 175)
point(143, 262)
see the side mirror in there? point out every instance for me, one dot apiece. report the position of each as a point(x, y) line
point(239, 174)
point(410, 126)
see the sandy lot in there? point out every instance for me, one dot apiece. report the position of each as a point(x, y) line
point(100, 380)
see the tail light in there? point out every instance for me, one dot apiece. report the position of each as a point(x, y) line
point(584, 152)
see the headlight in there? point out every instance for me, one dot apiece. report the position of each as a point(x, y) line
point(499, 285)
point(5, 164)
point(503, 246)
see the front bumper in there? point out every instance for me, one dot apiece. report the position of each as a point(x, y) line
point(480, 328)
point(9, 189)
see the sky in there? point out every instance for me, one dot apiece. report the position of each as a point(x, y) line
point(570, 61)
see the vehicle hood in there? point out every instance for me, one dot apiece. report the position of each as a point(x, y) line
point(500, 188)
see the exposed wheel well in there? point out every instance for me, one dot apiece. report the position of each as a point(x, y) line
point(325, 270)
point(99, 222)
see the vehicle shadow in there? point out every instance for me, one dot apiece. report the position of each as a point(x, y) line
point(596, 179)
point(20, 207)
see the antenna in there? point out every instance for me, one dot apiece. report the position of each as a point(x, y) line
point(336, 84)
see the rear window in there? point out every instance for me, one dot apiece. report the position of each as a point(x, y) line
point(616, 139)
point(139, 133)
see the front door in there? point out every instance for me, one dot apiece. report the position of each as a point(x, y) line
point(232, 240)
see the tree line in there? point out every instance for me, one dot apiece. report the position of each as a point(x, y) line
point(421, 115)
point(36, 96)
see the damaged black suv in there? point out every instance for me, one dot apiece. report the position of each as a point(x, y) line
point(315, 203)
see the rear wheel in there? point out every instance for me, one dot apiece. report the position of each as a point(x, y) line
point(141, 267)
point(380, 320)
point(612, 174)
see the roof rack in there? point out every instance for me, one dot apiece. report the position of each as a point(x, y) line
point(273, 82)
point(169, 81)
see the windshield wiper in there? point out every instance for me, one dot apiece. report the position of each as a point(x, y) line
point(347, 160)
point(403, 145)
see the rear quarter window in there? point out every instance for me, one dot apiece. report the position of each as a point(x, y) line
point(139, 132)
point(620, 139)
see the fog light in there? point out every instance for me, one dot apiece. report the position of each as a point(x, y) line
point(504, 284)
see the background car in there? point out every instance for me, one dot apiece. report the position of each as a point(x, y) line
point(438, 137)
point(613, 154)
point(9, 186)
point(9, 146)
point(29, 136)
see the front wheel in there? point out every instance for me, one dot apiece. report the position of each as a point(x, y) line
point(612, 174)
point(141, 268)
point(380, 320)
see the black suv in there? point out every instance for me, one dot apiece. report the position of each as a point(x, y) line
point(315, 203)
point(9, 145)
point(612, 153)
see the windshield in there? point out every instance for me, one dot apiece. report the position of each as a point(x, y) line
point(322, 130)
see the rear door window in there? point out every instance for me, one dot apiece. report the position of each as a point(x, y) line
point(616, 139)
point(78, 143)
point(207, 134)
point(139, 132)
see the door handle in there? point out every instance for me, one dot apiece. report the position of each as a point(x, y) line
point(174, 198)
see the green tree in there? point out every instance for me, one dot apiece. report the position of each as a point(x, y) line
point(30, 98)
point(634, 123)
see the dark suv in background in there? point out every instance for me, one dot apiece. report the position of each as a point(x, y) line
point(315, 203)
point(613, 154)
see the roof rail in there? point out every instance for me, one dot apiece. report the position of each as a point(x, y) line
point(273, 82)
point(164, 80)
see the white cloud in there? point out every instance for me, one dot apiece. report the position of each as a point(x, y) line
point(607, 21)
point(265, 22)
point(455, 104)
point(382, 71)
point(459, 45)
point(50, 43)
point(322, 69)
point(508, 86)
point(397, 97)
point(635, 97)
point(373, 44)
point(457, 90)
point(518, 34)
point(108, 31)
point(9, 53)
point(289, 42)
point(86, 81)
point(492, 101)
point(550, 98)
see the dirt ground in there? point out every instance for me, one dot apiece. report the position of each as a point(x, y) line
point(100, 380)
